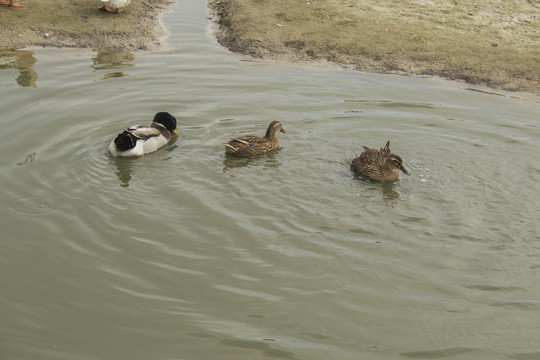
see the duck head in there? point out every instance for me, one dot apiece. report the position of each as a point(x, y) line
point(167, 120)
point(394, 162)
point(273, 128)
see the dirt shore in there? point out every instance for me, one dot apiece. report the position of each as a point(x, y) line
point(68, 23)
point(488, 42)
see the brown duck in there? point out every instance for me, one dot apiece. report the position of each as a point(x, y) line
point(251, 145)
point(380, 165)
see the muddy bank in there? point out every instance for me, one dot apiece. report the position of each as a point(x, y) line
point(68, 23)
point(489, 42)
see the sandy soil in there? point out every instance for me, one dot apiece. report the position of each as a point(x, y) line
point(79, 23)
point(489, 42)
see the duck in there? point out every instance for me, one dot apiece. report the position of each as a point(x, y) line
point(380, 165)
point(114, 6)
point(252, 145)
point(10, 3)
point(138, 140)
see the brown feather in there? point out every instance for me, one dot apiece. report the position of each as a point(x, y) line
point(252, 145)
point(380, 165)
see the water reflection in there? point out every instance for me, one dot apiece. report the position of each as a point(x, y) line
point(124, 169)
point(269, 160)
point(112, 59)
point(389, 194)
point(29, 158)
point(22, 60)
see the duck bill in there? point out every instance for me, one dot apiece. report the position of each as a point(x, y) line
point(405, 171)
point(175, 132)
point(283, 131)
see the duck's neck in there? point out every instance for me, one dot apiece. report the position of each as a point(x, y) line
point(157, 125)
point(389, 173)
point(162, 129)
point(271, 133)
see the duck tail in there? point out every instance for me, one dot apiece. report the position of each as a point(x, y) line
point(230, 148)
point(125, 141)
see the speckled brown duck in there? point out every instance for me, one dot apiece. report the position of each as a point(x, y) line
point(252, 145)
point(380, 165)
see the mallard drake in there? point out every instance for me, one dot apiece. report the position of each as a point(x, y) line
point(251, 145)
point(114, 6)
point(380, 165)
point(10, 3)
point(138, 140)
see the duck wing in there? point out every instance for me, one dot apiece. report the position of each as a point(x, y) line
point(250, 140)
point(385, 151)
point(143, 131)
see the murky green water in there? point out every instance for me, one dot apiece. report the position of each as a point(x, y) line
point(187, 254)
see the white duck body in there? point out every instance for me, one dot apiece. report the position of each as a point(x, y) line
point(149, 139)
point(116, 4)
point(143, 139)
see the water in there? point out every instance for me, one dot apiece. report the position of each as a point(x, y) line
point(188, 254)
